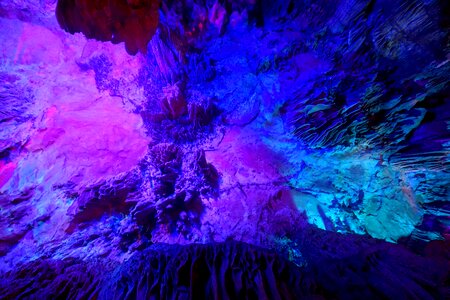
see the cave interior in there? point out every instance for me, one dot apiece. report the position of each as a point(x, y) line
point(224, 149)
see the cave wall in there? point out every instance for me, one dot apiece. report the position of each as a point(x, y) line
point(272, 123)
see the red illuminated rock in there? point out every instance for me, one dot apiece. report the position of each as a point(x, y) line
point(133, 22)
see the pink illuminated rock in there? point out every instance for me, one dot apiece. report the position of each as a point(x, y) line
point(254, 205)
point(38, 45)
point(36, 12)
point(6, 172)
point(224, 130)
point(242, 157)
point(101, 140)
point(79, 134)
point(173, 103)
point(60, 136)
point(218, 16)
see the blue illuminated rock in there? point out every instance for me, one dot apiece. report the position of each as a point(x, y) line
point(314, 129)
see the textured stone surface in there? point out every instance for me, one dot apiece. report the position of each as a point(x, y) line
point(236, 270)
point(33, 11)
point(298, 126)
point(131, 22)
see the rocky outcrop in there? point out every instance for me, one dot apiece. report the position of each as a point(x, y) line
point(131, 22)
point(276, 123)
point(236, 271)
point(68, 278)
point(111, 197)
point(37, 12)
point(230, 270)
point(172, 190)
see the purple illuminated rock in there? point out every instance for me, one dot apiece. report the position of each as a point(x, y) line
point(277, 124)
point(68, 278)
point(230, 270)
point(179, 182)
point(37, 12)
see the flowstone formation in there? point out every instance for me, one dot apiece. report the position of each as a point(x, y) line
point(218, 149)
point(227, 270)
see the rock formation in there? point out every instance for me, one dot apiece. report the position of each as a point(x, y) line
point(254, 148)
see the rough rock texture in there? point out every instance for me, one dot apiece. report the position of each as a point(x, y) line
point(59, 134)
point(131, 22)
point(68, 279)
point(312, 128)
point(203, 272)
point(37, 12)
point(237, 271)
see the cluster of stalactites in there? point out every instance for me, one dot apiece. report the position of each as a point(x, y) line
point(130, 21)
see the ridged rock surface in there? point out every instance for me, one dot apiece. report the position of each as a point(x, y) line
point(317, 129)
point(236, 271)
